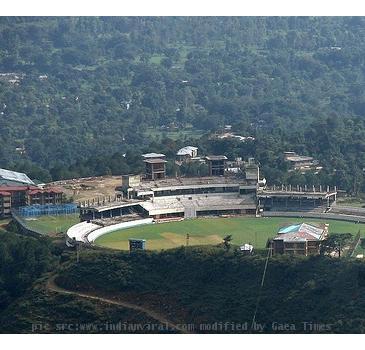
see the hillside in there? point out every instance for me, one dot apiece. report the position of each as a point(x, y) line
point(207, 286)
point(28, 305)
point(79, 95)
point(44, 290)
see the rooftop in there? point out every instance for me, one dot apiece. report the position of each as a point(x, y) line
point(153, 155)
point(299, 158)
point(15, 176)
point(46, 190)
point(155, 161)
point(216, 158)
point(301, 232)
point(3, 193)
point(17, 188)
point(186, 150)
point(191, 181)
point(106, 205)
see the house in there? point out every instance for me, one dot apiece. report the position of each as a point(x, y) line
point(300, 239)
point(302, 163)
point(186, 153)
point(231, 136)
point(153, 155)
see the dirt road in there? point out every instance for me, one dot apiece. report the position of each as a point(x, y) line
point(53, 287)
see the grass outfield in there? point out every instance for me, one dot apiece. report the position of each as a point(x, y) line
point(52, 224)
point(212, 230)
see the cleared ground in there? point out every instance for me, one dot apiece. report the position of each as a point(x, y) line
point(51, 224)
point(83, 189)
point(211, 231)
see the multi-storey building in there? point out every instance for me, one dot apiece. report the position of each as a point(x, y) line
point(13, 197)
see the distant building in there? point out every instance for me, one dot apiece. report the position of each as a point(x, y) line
point(13, 197)
point(155, 168)
point(14, 178)
point(300, 239)
point(21, 150)
point(5, 204)
point(234, 166)
point(130, 181)
point(12, 78)
point(153, 156)
point(230, 135)
point(246, 249)
point(216, 165)
point(186, 153)
point(298, 162)
point(252, 170)
point(44, 196)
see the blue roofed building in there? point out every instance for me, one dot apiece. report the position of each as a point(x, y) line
point(300, 239)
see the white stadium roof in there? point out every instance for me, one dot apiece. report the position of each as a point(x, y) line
point(15, 176)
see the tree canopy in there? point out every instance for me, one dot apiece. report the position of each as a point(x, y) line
point(84, 91)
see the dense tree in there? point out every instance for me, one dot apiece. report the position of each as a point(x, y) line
point(336, 243)
point(91, 87)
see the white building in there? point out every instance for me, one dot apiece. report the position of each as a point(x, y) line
point(187, 152)
point(153, 156)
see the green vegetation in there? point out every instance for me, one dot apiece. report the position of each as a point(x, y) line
point(94, 93)
point(22, 261)
point(222, 284)
point(208, 285)
point(51, 224)
point(358, 202)
point(212, 231)
point(39, 311)
point(293, 83)
point(26, 306)
point(184, 134)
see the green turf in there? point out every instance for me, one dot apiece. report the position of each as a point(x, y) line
point(211, 231)
point(51, 224)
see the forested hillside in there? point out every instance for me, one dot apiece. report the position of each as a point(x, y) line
point(22, 261)
point(87, 90)
point(208, 285)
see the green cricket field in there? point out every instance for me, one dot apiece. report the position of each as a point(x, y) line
point(211, 231)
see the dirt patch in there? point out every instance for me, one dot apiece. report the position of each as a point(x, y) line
point(89, 188)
